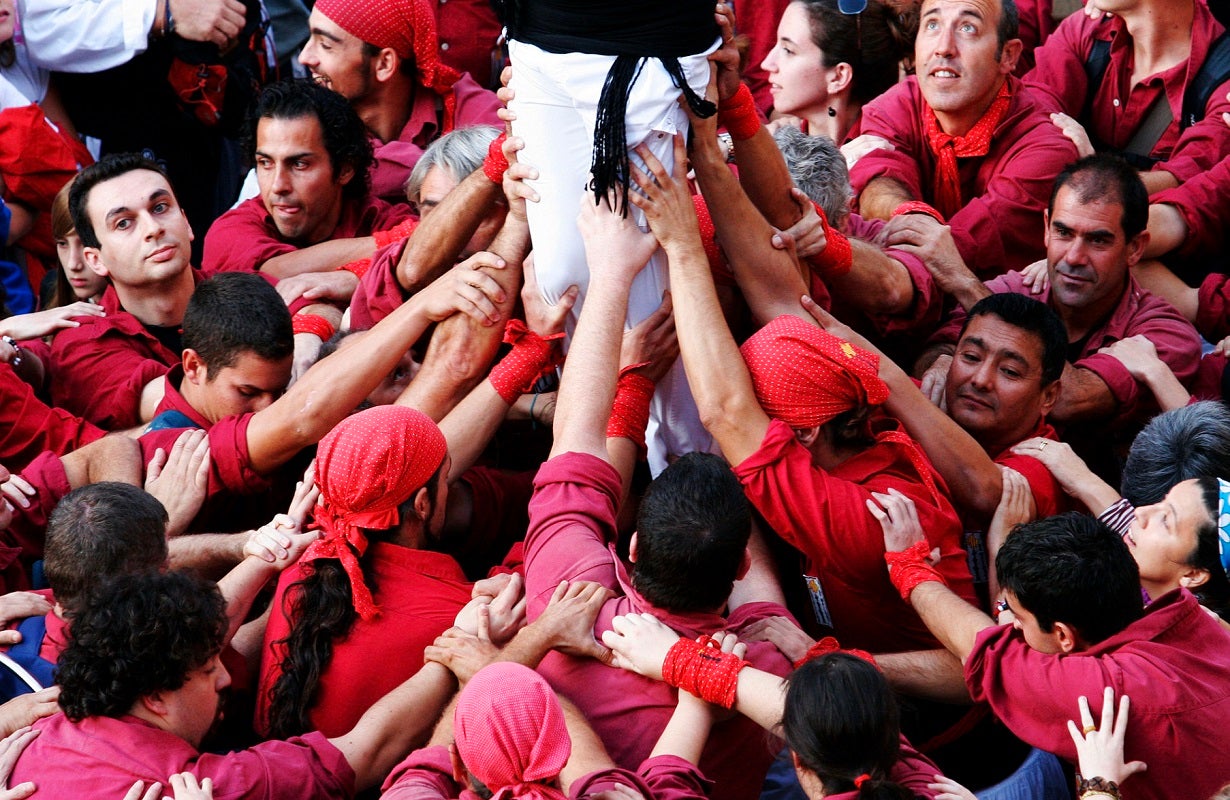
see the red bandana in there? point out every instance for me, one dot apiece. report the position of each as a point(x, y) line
point(510, 733)
point(407, 26)
point(366, 467)
point(948, 149)
point(805, 376)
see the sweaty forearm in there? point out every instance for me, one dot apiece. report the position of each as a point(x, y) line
point(881, 197)
point(434, 245)
point(319, 257)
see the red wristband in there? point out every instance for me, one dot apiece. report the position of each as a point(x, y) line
point(496, 163)
point(358, 267)
point(739, 116)
point(702, 669)
point(396, 234)
point(630, 411)
point(830, 645)
point(316, 325)
point(919, 207)
point(531, 355)
point(909, 568)
point(837, 257)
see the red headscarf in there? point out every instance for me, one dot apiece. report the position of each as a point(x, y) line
point(366, 467)
point(407, 26)
point(805, 376)
point(510, 733)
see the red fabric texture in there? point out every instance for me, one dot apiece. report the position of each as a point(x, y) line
point(909, 568)
point(918, 207)
point(739, 116)
point(1004, 192)
point(378, 293)
point(824, 515)
point(99, 368)
point(244, 238)
point(530, 357)
point(1171, 662)
point(386, 238)
point(469, 31)
point(947, 149)
point(496, 163)
point(805, 376)
point(510, 733)
point(837, 258)
point(1213, 307)
point(701, 668)
point(630, 409)
point(829, 644)
point(409, 28)
point(365, 468)
point(419, 594)
point(28, 426)
point(572, 518)
point(80, 759)
point(314, 324)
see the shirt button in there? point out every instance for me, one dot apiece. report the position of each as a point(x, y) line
point(1116, 102)
point(444, 46)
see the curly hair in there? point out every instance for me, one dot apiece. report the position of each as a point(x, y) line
point(135, 636)
point(344, 133)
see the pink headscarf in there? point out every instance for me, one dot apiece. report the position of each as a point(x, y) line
point(366, 467)
point(510, 733)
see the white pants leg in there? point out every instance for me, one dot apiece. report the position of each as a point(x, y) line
point(556, 105)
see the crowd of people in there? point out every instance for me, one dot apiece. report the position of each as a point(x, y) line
point(543, 399)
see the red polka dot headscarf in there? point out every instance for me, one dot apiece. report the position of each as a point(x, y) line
point(805, 376)
point(366, 467)
point(409, 28)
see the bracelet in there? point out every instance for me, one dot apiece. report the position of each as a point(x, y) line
point(739, 115)
point(701, 668)
point(630, 409)
point(1096, 787)
point(496, 163)
point(919, 207)
point(358, 267)
point(837, 257)
point(314, 324)
point(533, 422)
point(401, 231)
point(531, 355)
point(909, 568)
point(18, 356)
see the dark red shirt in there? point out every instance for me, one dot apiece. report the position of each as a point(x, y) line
point(99, 369)
point(1171, 662)
point(244, 238)
point(28, 426)
point(1120, 107)
point(1204, 203)
point(824, 515)
point(378, 293)
point(1213, 307)
point(1005, 192)
point(468, 32)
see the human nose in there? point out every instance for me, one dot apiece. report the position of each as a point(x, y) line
point(769, 64)
point(982, 376)
point(281, 179)
point(945, 41)
point(224, 677)
point(307, 56)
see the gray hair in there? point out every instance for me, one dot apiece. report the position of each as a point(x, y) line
point(458, 153)
point(818, 169)
point(1188, 442)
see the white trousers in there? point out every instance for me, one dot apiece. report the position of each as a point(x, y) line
point(556, 103)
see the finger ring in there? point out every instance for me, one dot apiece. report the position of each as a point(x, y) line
point(1088, 729)
point(1042, 445)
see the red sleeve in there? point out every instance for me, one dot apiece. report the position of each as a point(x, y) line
point(98, 374)
point(230, 469)
point(468, 31)
point(1049, 496)
point(28, 426)
point(378, 293)
point(914, 771)
point(895, 116)
point(924, 311)
point(29, 526)
point(241, 241)
point(1036, 26)
point(1203, 202)
point(673, 778)
point(304, 766)
point(425, 774)
point(572, 518)
point(35, 159)
point(1213, 310)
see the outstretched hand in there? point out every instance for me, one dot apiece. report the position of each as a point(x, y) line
point(898, 516)
point(665, 198)
point(1099, 748)
point(615, 248)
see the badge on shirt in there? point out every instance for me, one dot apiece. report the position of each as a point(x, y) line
point(976, 556)
point(819, 605)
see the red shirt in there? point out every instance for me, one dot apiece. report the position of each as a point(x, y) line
point(378, 293)
point(1005, 191)
point(1202, 201)
point(1049, 496)
point(244, 238)
point(103, 756)
point(468, 32)
point(1213, 309)
point(1119, 107)
point(824, 515)
point(28, 426)
point(395, 159)
point(572, 518)
point(99, 369)
point(1172, 663)
point(1139, 312)
point(418, 593)
point(1036, 25)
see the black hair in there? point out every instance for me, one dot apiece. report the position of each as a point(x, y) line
point(1107, 178)
point(346, 138)
point(1072, 568)
point(873, 42)
point(135, 636)
point(320, 608)
point(1032, 316)
point(234, 313)
point(98, 532)
point(841, 721)
point(1213, 594)
point(1187, 442)
point(692, 531)
point(1009, 27)
point(106, 168)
